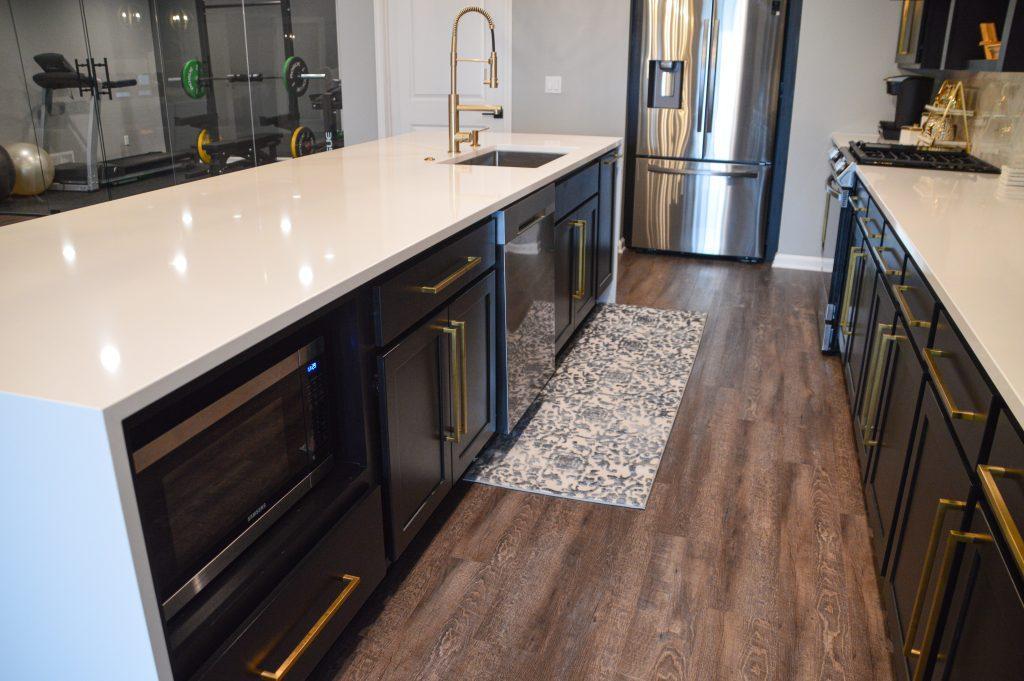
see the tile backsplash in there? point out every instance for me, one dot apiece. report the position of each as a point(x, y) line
point(997, 130)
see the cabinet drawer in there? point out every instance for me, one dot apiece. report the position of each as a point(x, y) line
point(960, 385)
point(1003, 477)
point(417, 288)
point(320, 596)
point(883, 247)
point(916, 304)
point(574, 190)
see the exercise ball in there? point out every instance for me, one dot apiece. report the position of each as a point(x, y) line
point(33, 169)
point(6, 174)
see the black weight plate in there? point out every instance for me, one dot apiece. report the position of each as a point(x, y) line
point(291, 74)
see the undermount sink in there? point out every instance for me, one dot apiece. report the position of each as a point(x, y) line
point(508, 158)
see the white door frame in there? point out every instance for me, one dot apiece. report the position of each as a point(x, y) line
point(384, 68)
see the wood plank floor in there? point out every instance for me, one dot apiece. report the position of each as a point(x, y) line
point(751, 561)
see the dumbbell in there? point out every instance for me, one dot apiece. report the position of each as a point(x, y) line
point(295, 76)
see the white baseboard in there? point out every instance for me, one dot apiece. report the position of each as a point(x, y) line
point(786, 261)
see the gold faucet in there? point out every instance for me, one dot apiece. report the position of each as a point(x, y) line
point(456, 136)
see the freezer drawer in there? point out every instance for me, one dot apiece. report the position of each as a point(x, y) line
point(703, 208)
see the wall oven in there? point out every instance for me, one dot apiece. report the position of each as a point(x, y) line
point(239, 474)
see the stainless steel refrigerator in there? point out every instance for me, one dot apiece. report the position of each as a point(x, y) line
point(707, 79)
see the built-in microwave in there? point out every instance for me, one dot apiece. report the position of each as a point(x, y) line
point(214, 481)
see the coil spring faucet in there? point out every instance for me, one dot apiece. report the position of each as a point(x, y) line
point(456, 136)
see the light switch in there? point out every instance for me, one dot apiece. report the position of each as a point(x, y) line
point(553, 85)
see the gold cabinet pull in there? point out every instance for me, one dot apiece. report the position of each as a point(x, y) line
point(460, 328)
point(581, 259)
point(988, 475)
point(856, 252)
point(867, 231)
point(930, 354)
point(876, 372)
point(858, 207)
point(898, 291)
point(351, 582)
point(455, 377)
point(954, 538)
point(471, 262)
point(878, 251)
point(944, 506)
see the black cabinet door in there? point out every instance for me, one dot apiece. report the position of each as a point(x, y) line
point(415, 379)
point(937, 490)
point(472, 315)
point(854, 256)
point(900, 388)
point(605, 247)
point(861, 324)
point(879, 337)
point(981, 636)
point(585, 217)
point(565, 278)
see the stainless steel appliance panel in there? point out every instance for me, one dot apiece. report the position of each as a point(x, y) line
point(696, 207)
point(673, 76)
point(743, 80)
point(526, 303)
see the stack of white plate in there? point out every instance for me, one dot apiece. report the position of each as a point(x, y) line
point(1011, 183)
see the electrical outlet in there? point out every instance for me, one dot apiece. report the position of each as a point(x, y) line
point(127, 141)
point(553, 85)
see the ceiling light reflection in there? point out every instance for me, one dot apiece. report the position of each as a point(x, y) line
point(69, 253)
point(305, 275)
point(110, 358)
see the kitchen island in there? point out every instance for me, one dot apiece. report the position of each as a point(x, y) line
point(110, 308)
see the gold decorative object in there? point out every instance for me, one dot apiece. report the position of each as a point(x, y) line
point(990, 41)
point(945, 124)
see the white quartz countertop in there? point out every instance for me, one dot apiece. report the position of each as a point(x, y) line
point(115, 305)
point(969, 244)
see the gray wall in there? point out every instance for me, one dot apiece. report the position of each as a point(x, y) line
point(846, 49)
point(358, 70)
point(584, 41)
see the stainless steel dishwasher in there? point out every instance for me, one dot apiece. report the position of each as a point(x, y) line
point(526, 303)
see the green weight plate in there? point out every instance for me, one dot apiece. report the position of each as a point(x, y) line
point(192, 79)
point(291, 75)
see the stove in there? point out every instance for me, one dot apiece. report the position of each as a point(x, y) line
point(909, 156)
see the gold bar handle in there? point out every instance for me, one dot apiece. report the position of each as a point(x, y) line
point(898, 290)
point(856, 252)
point(954, 538)
point(867, 231)
point(351, 583)
point(471, 262)
point(1007, 526)
point(888, 271)
point(858, 207)
point(460, 327)
point(455, 376)
point(944, 506)
point(581, 262)
point(869, 408)
point(947, 400)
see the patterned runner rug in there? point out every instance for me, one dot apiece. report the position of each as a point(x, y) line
point(598, 430)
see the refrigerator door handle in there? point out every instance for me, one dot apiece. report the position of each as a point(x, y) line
point(712, 77)
point(702, 74)
point(748, 174)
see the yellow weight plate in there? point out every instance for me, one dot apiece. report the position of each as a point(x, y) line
point(201, 141)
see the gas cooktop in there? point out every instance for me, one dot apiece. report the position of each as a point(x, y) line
point(909, 156)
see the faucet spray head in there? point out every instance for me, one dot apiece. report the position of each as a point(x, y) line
point(492, 71)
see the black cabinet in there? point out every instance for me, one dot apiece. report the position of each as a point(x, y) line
point(605, 246)
point(472, 315)
point(855, 325)
point(438, 389)
point(416, 395)
point(900, 388)
point(937, 492)
point(574, 269)
point(922, 33)
point(880, 334)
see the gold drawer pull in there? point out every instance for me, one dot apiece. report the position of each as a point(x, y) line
point(314, 631)
point(898, 290)
point(947, 401)
point(944, 506)
point(460, 327)
point(867, 231)
point(954, 538)
point(857, 205)
point(581, 259)
point(471, 262)
point(856, 252)
point(1011, 532)
point(455, 376)
point(888, 271)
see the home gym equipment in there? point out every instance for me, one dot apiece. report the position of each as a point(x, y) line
point(295, 76)
point(33, 169)
point(7, 174)
point(227, 155)
point(58, 74)
point(328, 103)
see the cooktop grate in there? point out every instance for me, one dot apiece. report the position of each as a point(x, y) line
point(908, 156)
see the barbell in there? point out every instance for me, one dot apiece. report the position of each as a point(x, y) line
point(295, 76)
